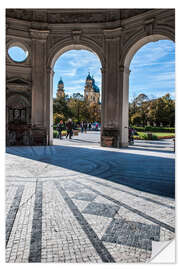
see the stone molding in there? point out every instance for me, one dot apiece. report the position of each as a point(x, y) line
point(39, 34)
point(68, 43)
point(113, 33)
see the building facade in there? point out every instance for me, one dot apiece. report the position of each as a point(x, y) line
point(91, 91)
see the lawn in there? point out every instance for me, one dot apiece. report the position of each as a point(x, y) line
point(157, 135)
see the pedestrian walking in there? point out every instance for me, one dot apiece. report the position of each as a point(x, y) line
point(59, 128)
point(82, 127)
point(130, 137)
point(85, 127)
point(96, 128)
point(69, 127)
point(89, 126)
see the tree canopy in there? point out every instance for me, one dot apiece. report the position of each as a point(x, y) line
point(144, 111)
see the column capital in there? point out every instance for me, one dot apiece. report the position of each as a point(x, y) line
point(113, 33)
point(39, 34)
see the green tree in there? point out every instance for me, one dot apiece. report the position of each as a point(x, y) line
point(60, 106)
point(160, 110)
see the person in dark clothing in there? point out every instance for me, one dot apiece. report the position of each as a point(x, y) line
point(69, 127)
point(82, 127)
point(89, 126)
point(59, 128)
point(131, 138)
point(85, 127)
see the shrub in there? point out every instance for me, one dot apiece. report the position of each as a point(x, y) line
point(55, 134)
point(159, 129)
point(145, 136)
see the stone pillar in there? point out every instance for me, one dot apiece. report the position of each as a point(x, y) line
point(110, 95)
point(102, 98)
point(49, 105)
point(39, 78)
point(123, 105)
point(115, 93)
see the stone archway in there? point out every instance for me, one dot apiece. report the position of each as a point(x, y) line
point(55, 53)
point(125, 63)
point(113, 34)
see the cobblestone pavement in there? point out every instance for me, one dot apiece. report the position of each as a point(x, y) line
point(78, 202)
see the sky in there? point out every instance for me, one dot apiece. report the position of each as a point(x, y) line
point(73, 67)
point(152, 69)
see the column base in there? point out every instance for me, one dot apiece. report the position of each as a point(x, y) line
point(111, 138)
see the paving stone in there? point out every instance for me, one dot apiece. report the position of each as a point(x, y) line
point(101, 209)
point(132, 233)
point(86, 204)
point(84, 196)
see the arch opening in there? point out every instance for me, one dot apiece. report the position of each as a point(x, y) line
point(76, 76)
point(147, 87)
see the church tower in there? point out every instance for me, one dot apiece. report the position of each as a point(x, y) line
point(60, 90)
point(91, 91)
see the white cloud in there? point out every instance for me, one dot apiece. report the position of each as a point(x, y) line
point(151, 53)
point(62, 72)
point(167, 76)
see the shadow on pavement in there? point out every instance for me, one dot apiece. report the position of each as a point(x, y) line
point(151, 174)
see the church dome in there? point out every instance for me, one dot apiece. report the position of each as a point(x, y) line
point(94, 86)
point(60, 81)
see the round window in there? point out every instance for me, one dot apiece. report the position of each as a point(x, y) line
point(17, 54)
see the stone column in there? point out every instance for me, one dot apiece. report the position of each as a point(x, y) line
point(102, 98)
point(110, 97)
point(115, 95)
point(39, 78)
point(49, 105)
point(123, 105)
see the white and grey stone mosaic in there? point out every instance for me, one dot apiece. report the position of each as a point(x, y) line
point(58, 212)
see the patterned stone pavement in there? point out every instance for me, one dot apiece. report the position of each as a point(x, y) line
point(77, 202)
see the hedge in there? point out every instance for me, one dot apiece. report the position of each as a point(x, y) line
point(155, 129)
point(146, 137)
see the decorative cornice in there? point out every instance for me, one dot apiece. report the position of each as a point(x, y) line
point(39, 34)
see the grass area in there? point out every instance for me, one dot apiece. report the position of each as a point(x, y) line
point(155, 135)
point(159, 134)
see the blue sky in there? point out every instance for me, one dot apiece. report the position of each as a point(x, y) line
point(17, 54)
point(152, 69)
point(73, 67)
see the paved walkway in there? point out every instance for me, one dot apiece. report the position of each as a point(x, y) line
point(79, 202)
